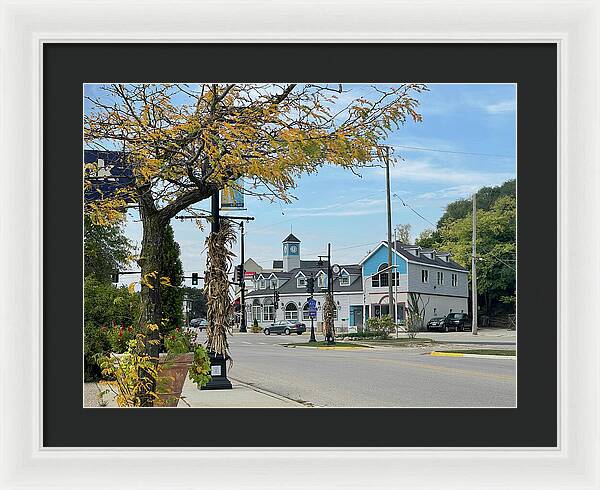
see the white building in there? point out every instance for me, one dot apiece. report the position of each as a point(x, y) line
point(360, 290)
point(441, 283)
point(290, 283)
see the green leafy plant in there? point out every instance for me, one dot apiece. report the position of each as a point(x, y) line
point(415, 318)
point(255, 327)
point(134, 372)
point(118, 337)
point(179, 341)
point(199, 371)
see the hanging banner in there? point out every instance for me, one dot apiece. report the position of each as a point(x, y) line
point(106, 172)
point(232, 197)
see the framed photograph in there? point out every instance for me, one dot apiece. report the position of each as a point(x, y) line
point(246, 245)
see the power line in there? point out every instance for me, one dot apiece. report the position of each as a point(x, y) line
point(456, 152)
point(413, 210)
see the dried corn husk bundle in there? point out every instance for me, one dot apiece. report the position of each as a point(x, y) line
point(219, 311)
point(328, 325)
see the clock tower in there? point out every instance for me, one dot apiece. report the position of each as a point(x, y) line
point(291, 253)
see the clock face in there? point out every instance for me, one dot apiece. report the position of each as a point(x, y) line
point(293, 249)
point(285, 248)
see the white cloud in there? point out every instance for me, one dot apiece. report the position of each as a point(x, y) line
point(424, 171)
point(360, 207)
point(501, 107)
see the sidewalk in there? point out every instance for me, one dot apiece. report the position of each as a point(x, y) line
point(240, 396)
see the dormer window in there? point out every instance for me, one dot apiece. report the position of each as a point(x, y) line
point(344, 279)
point(301, 282)
point(274, 283)
point(262, 284)
point(322, 280)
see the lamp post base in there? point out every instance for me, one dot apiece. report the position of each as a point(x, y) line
point(312, 331)
point(218, 373)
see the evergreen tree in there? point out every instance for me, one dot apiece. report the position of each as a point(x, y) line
point(172, 297)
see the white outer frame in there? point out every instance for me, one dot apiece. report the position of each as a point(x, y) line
point(26, 25)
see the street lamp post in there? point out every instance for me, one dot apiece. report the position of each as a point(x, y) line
point(242, 282)
point(310, 287)
point(330, 336)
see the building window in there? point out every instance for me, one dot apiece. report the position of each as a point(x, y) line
point(305, 312)
point(381, 279)
point(440, 278)
point(263, 284)
point(454, 280)
point(424, 275)
point(273, 283)
point(291, 311)
point(268, 310)
point(256, 310)
point(344, 279)
point(322, 281)
point(301, 282)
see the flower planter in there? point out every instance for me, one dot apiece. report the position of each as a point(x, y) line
point(172, 372)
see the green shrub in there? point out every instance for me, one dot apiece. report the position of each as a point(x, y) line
point(179, 341)
point(95, 345)
point(200, 369)
point(382, 326)
point(255, 327)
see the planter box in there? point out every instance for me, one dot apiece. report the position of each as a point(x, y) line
point(172, 372)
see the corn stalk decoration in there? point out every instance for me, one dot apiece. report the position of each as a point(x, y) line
point(219, 311)
point(328, 325)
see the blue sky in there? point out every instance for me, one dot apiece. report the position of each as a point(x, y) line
point(337, 206)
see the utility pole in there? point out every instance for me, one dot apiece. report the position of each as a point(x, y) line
point(389, 231)
point(474, 268)
point(243, 283)
point(396, 278)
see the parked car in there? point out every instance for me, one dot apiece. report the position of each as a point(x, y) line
point(286, 327)
point(458, 322)
point(436, 323)
point(198, 323)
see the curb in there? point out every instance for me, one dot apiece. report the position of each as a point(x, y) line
point(476, 356)
point(271, 394)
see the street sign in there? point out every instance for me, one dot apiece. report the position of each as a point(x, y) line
point(312, 308)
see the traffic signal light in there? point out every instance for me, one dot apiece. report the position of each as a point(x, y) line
point(194, 278)
point(310, 285)
point(239, 274)
point(276, 298)
point(114, 276)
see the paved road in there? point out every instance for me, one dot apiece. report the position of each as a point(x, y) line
point(383, 377)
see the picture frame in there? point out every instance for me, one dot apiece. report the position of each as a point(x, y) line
point(573, 26)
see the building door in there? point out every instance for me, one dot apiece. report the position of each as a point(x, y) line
point(356, 316)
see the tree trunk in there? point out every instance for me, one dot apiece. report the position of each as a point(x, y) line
point(151, 306)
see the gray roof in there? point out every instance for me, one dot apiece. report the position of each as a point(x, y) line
point(291, 286)
point(291, 238)
point(400, 248)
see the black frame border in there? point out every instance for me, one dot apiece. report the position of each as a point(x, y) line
point(533, 66)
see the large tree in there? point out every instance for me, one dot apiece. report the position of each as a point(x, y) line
point(496, 245)
point(184, 142)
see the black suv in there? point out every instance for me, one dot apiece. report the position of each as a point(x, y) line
point(457, 322)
